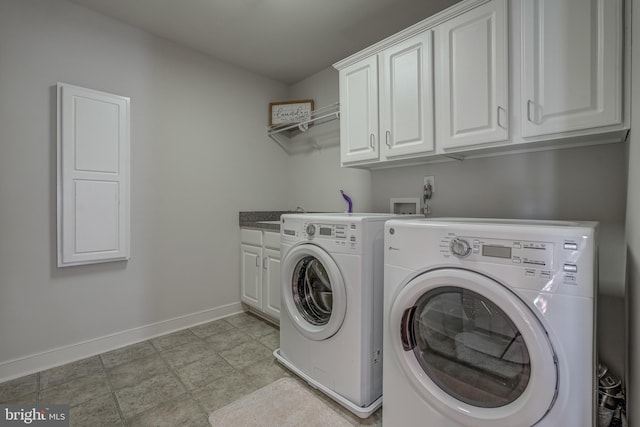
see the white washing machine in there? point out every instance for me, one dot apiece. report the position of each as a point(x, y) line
point(489, 323)
point(331, 316)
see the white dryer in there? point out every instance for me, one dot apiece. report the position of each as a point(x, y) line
point(331, 316)
point(489, 323)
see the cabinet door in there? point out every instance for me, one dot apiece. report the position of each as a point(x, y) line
point(271, 283)
point(572, 65)
point(406, 97)
point(251, 275)
point(359, 112)
point(472, 76)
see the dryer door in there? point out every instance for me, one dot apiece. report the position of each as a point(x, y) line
point(473, 349)
point(313, 291)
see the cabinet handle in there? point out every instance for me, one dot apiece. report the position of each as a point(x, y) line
point(257, 261)
point(372, 141)
point(529, 102)
point(264, 263)
point(388, 138)
point(501, 110)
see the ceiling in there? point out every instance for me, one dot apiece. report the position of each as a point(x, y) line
point(285, 40)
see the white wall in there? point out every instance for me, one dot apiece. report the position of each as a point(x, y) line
point(199, 155)
point(587, 183)
point(315, 173)
point(633, 233)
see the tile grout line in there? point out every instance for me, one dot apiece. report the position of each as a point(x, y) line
point(113, 392)
point(170, 370)
point(195, 400)
point(177, 377)
point(38, 388)
point(188, 392)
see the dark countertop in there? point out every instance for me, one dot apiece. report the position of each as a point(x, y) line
point(252, 219)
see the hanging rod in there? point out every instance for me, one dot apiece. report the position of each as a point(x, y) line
point(329, 111)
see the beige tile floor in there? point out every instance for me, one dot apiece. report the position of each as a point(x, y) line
point(172, 380)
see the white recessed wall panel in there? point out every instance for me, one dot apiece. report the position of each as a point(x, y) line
point(96, 209)
point(93, 176)
point(96, 135)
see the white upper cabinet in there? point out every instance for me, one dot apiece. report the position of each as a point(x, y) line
point(359, 112)
point(406, 97)
point(571, 65)
point(486, 77)
point(386, 103)
point(472, 77)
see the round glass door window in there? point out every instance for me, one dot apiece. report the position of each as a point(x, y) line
point(311, 291)
point(468, 346)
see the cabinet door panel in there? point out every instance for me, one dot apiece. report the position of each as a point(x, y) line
point(271, 280)
point(251, 275)
point(572, 65)
point(359, 112)
point(472, 90)
point(406, 97)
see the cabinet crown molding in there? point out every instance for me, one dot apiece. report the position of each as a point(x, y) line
point(411, 31)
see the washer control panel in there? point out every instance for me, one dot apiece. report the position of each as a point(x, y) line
point(528, 254)
point(342, 235)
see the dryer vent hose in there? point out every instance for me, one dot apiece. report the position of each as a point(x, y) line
point(348, 199)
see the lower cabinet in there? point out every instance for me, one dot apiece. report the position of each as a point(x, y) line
point(260, 271)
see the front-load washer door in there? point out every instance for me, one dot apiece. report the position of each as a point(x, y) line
point(313, 291)
point(472, 349)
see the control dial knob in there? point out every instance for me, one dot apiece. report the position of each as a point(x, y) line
point(460, 248)
point(311, 230)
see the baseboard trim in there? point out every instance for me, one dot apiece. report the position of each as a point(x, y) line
point(59, 356)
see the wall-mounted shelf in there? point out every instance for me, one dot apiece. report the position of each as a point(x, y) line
point(284, 134)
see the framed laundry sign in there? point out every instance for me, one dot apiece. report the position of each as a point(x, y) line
point(290, 112)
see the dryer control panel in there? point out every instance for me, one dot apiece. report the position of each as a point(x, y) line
point(529, 254)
